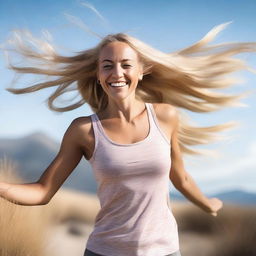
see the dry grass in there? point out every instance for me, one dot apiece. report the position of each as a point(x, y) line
point(238, 232)
point(231, 233)
point(22, 229)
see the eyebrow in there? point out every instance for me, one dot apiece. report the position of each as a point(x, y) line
point(112, 61)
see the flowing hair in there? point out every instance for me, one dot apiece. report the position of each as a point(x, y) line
point(185, 78)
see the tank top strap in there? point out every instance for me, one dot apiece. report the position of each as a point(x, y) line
point(155, 122)
point(96, 131)
point(150, 117)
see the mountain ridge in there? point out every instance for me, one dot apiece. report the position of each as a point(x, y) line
point(235, 196)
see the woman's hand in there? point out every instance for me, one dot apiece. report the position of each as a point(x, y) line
point(215, 205)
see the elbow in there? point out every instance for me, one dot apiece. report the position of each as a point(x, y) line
point(180, 185)
point(41, 201)
point(45, 196)
point(184, 182)
point(179, 182)
point(44, 202)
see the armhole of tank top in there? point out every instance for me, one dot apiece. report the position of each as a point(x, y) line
point(95, 134)
point(168, 201)
point(157, 124)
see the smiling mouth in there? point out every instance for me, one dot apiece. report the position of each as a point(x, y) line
point(120, 84)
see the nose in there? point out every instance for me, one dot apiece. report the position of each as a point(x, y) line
point(117, 71)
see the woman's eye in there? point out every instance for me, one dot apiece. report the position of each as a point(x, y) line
point(108, 66)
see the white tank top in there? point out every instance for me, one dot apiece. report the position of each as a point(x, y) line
point(135, 218)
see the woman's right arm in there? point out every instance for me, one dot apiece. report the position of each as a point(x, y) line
point(41, 192)
point(182, 180)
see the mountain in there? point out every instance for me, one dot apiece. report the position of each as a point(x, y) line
point(237, 197)
point(33, 153)
point(230, 196)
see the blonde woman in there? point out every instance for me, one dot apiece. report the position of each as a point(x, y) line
point(135, 139)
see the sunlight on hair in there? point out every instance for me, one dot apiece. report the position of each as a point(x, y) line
point(206, 39)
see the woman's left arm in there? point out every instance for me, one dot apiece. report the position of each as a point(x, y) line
point(182, 181)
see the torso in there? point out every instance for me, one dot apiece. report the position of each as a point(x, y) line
point(125, 135)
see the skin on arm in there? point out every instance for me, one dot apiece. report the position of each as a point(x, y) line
point(41, 192)
point(181, 180)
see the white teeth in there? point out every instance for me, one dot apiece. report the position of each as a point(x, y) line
point(118, 84)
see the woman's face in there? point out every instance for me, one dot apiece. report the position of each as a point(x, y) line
point(119, 70)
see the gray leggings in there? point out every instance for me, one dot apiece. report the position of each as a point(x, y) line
point(90, 253)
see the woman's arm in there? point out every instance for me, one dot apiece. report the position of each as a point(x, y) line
point(41, 192)
point(183, 181)
point(22, 194)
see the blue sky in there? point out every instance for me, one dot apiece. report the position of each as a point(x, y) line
point(166, 25)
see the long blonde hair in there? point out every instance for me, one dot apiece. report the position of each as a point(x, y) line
point(185, 78)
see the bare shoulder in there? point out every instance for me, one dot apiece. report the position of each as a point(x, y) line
point(166, 112)
point(167, 117)
point(81, 122)
point(81, 128)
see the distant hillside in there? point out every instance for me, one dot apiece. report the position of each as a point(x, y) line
point(231, 196)
point(237, 197)
point(34, 153)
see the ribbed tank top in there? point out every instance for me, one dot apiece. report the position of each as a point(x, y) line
point(135, 218)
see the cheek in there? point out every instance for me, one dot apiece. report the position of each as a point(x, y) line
point(132, 73)
point(103, 75)
point(101, 72)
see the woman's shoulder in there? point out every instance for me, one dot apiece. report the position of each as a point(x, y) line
point(82, 122)
point(82, 126)
point(165, 111)
point(83, 133)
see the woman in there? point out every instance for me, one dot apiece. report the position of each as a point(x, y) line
point(136, 136)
